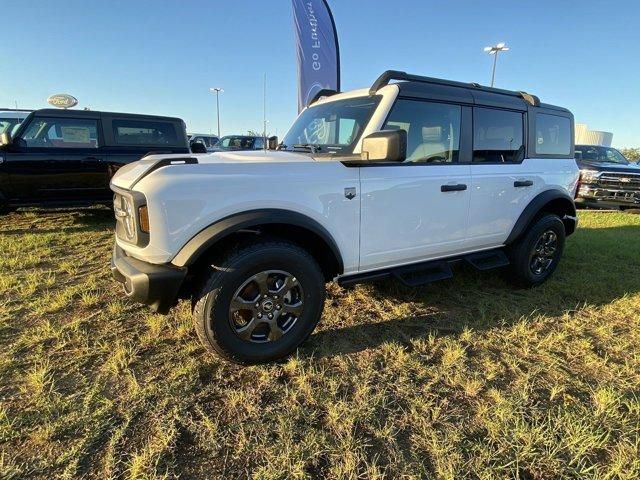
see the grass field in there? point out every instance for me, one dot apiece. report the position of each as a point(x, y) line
point(467, 378)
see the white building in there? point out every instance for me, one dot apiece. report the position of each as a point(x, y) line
point(584, 136)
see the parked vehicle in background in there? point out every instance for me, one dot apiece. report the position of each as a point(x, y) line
point(67, 157)
point(239, 142)
point(208, 141)
point(11, 118)
point(398, 180)
point(607, 178)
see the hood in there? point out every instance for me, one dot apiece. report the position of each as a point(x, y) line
point(127, 176)
point(609, 167)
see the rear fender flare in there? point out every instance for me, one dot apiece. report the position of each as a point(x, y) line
point(538, 204)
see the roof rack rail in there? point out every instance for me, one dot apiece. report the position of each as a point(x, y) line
point(325, 92)
point(390, 75)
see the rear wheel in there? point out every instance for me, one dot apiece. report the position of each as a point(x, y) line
point(260, 302)
point(536, 255)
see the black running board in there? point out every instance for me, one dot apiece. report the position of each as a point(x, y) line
point(487, 260)
point(421, 274)
point(432, 271)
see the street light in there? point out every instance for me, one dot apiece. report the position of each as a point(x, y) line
point(494, 51)
point(217, 90)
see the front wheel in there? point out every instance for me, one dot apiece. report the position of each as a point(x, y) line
point(260, 302)
point(536, 255)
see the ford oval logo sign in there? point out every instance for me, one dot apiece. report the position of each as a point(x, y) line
point(62, 100)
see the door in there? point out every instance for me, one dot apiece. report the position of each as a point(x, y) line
point(417, 210)
point(56, 159)
point(503, 182)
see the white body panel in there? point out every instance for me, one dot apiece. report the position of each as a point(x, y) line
point(185, 199)
point(405, 216)
point(496, 203)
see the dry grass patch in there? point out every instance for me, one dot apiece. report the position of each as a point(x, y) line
point(468, 378)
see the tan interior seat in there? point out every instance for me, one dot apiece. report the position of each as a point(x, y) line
point(433, 145)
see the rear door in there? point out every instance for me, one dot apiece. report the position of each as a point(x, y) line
point(417, 210)
point(503, 180)
point(57, 159)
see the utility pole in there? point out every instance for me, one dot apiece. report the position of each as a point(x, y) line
point(217, 91)
point(264, 113)
point(500, 47)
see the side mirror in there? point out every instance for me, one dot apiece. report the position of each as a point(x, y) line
point(385, 146)
point(272, 143)
point(198, 147)
point(5, 139)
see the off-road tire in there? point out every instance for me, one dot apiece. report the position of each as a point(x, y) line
point(522, 252)
point(212, 301)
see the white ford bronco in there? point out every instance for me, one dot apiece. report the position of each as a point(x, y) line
point(399, 180)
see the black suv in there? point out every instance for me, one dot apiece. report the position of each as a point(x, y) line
point(67, 157)
point(607, 178)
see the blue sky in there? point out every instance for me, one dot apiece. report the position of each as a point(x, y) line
point(162, 56)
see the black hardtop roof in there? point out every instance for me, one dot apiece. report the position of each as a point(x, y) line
point(430, 87)
point(59, 112)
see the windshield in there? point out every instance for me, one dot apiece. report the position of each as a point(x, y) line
point(599, 155)
point(234, 142)
point(333, 126)
point(9, 124)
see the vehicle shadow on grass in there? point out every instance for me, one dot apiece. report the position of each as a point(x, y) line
point(32, 220)
point(598, 267)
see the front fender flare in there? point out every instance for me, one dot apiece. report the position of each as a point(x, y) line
point(215, 232)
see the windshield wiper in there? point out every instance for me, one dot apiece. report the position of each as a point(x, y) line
point(310, 146)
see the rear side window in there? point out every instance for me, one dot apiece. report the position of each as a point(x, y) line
point(497, 136)
point(44, 132)
point(553, 135)
point(142, 132)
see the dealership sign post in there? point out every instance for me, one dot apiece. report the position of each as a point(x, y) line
point(316, 48)
point(62, 100)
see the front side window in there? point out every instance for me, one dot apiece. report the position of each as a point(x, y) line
point(497, 136)
point(259, 143)
point(141, 132)
point(433, 130)
point(61, 133)
point(332, 127)
point(553, 135)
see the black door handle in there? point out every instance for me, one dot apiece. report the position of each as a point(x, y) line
point(453, 188)
point(522, 183)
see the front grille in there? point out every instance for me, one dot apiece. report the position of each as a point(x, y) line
point(619, 181)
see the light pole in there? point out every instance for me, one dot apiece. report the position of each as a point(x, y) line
point(494, 51)
point(217, 90)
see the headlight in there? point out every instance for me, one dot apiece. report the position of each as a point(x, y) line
point(124, 213)
point(589, 176)
point(132, 217)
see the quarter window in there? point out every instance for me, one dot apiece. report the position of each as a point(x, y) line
point(433, 130)
point(140, 132)
point(497, 136)
point(61, 133)
point(553, 135)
